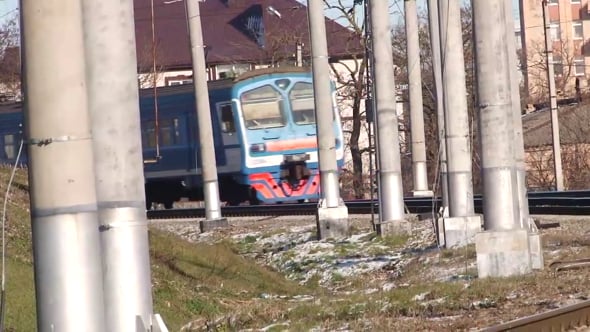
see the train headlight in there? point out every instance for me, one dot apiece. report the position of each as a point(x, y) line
point(258, 147)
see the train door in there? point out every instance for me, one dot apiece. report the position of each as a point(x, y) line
point(230, 138)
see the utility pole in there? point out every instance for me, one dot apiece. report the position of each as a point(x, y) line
point(462, 223)
point(66, 241)
point(503, 249)
point(435, 34)
point(418, 144)
point(213, 216)
point(552, 100)
point(116, 128)
point(332, 215)
point(391, 199)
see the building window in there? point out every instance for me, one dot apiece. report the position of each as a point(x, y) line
point(557, 66)
point(553, 2)
point(579, 66)
point(179, 82)
point(231, 70)
point(575, 1)
point(555, 31)
point(578, 31)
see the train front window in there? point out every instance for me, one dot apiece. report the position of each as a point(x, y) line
point(262, 108)
point(302, 103)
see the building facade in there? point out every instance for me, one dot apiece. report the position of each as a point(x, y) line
point(569, 22)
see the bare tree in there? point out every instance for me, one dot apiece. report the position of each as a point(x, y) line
point(10, 58)
point(564, 56)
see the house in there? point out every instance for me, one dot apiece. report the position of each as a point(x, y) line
point(569, 32)
point(239, 35)
point(574, 133)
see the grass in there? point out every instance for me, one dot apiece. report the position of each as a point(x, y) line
point(190, 281)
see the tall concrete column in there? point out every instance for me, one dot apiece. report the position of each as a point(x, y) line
point(391, 199)
point(332, 215)
point(552, 101)
point(114, 112)
point(462, 224)
point(66, 241)
point(435, 33)
point(526, 222)
point(503, 249)
point(418, 144)
point(207, 147)
point(456, 115)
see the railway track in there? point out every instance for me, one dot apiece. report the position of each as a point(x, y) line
point(574, 317)
point(543, 203)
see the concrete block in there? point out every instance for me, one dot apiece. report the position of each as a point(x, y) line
point(332, 222)
point(460, 231)
point(503, 253)
point(422, 193)
point(536, 251)
point(209, 225)
point(394, 227)
point(440, 232)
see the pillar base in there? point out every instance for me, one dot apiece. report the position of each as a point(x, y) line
point(209, 225)
point(422, 193)
point(332, 222)
point(503, 253)
point(458, 232)
point(394, 227)
point(535, 247)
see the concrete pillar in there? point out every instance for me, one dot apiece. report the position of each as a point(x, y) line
point(526, 222)
point(213, 217)
point(116, 128)
point(332, 215)
point(418, 144)
point(462, 224)
point(391, 200)
point(503, 249)
point(552, 101)
point(435, 33)
point(66, 240)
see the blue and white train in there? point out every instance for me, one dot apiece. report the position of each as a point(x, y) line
point(264, 133)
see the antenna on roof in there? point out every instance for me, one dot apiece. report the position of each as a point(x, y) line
point(273, 11)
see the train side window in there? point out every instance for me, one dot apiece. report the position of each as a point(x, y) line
point(169, 131)
point(9, 147)
point(228, 124)
point(148, 134)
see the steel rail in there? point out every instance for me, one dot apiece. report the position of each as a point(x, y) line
point(562, 319)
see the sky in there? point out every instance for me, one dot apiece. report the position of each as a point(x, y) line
point(8, 6)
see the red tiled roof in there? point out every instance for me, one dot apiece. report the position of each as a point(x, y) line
point(233, 31)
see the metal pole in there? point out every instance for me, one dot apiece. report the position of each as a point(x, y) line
point(332, 214)
point(523, 202)
point(456, 115)
point(496, 117)
point(416, 112)
point(206, 144)
point(391, 200)
point(114, 111)
point(553, 101)
point(433, 24)
point(66, 241)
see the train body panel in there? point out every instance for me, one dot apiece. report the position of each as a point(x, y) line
point(264, 133)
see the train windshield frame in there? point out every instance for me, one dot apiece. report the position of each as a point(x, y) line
point(302, 103)
point(262, 108)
